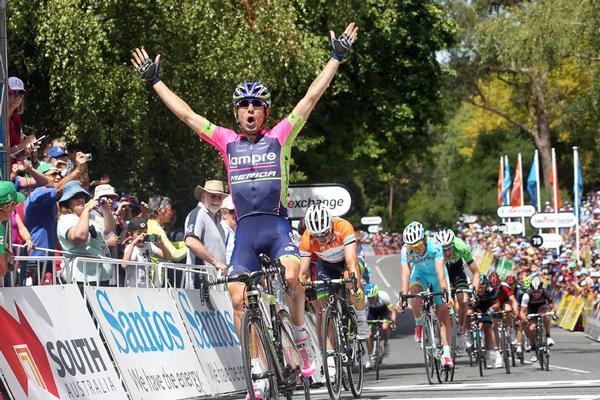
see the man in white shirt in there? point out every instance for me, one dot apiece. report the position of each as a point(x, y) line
point(229, 223)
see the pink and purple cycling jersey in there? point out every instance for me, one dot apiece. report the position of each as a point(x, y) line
point(258, 173)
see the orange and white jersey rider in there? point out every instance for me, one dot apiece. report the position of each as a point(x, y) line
point(331, 251)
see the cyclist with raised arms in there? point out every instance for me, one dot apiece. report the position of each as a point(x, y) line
point(252, 153)
point(427, 261)
point(536, 300)
point(457, 256)
point(379, 307)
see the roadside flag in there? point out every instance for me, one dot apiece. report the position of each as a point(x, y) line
point(532, 181)
point(500, 181)
point(554, 184)
point(506, 183)
point(515, 195)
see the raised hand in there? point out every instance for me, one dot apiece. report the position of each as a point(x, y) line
point(148, 69)
point(342, 45)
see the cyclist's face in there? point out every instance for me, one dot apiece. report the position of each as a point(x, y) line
point(448, 252)
point(537, 293)
point(372, 300)
point(326, 238)
point(251, 117)
point(419, 247)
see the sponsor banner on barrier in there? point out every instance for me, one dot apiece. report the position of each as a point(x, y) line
point(486, 262)
point(563, 308)
point(592, 327)
point(148, 340)
point(50, 348)
point(573, 313)
point(213, 337)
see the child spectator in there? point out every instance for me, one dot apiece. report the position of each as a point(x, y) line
point(140, 247)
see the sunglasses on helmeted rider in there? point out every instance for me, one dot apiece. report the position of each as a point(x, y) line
point(246, 103)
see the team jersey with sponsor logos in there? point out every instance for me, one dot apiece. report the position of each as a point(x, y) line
point(461, 255)
point(425, 263)
point(332, 252)
point(383, 301)
point(258, 173)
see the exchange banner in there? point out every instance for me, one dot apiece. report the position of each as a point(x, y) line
point(50, 348)
point(213, 337)
point(149, 343)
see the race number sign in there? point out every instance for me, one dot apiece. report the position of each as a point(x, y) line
point(335, 197)
point(50, 348)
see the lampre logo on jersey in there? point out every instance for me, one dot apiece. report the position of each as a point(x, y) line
point(252, 159)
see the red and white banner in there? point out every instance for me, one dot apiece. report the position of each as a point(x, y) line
point(149, 342)
point(213, 337)
point(50, 348)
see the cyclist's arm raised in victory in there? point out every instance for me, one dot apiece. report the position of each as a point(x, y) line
point(340, 46)
point(150, 71)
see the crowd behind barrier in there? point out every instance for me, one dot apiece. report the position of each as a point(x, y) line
point(381, 243)
point(574, 282)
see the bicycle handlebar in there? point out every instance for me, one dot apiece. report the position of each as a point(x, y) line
point(532, 316)
point(339, 281)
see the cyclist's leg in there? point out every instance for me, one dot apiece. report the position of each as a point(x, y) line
point(547, 323)
point(488, 330)
point(243, 259)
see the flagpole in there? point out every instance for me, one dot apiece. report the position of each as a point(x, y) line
point(577, 194)
point(555, 186)
point(522, 197)
point(502, 185)
point(537, 184)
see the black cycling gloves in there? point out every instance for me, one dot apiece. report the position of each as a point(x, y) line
point(341, 46)
point(150, 71)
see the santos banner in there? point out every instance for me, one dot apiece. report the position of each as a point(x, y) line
point(213, 337)
point(149, 343)
point(50, 348)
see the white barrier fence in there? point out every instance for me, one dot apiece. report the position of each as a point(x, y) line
point(164, 342)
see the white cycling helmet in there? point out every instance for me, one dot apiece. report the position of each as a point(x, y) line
point(318, 219)
point(536, 283)
point(444, 236)
point(413, 233)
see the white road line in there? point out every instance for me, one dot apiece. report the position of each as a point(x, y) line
point(381, 274)
point(582, 371)
point(480, 386)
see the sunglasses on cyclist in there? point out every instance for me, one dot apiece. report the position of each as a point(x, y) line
point(416, 245)
point(321, 235)
point(446, 248)
point(246, 103)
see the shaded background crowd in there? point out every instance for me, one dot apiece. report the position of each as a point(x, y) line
point(68, 213)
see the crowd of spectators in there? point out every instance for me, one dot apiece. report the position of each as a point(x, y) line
point(382, 243)
point(571, 269)
point(66, 213)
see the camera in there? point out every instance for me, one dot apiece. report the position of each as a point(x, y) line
point(151, 238)
point(101, 202)
point(88, 156)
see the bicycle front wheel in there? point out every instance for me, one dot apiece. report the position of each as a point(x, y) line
point(479, 351)
point(354, 352)
point(378, 353)
point(505, 350)
point(258, 362)
point(544, 351)
point(331, 347)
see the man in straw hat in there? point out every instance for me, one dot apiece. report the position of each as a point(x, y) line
point(204, 236)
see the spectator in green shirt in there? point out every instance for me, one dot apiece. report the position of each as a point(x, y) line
point(9, 198)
